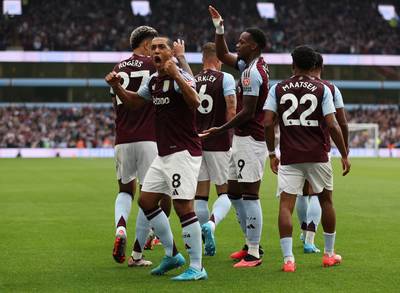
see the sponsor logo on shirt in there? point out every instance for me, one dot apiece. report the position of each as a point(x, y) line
point(161, 101)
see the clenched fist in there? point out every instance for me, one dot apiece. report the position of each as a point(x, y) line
point(171, 69)
point(113, 79)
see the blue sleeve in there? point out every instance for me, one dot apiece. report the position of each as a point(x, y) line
point(144, 90)
point(327, 102)
point(338, 99)
point(228, 83)
point(251, 82)
point(189, 80)
point(270, 102)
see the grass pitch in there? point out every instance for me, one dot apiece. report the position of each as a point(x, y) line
point(57, 233)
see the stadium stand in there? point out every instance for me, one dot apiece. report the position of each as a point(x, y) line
point(71, 127)
point(104, 24)
point(49, 127)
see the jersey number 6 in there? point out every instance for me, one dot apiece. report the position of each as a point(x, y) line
point(206, 101)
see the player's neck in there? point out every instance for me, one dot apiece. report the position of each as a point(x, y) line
point(209, 66)
point(316, 74)
point(252, 57)
point(140, 51)
point(299, 72)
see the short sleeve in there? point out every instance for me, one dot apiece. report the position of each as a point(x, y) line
point(327, 102)
point(338, 99)
point(251, 82)
point(270, 102)
point(228, 84)
point(144, 90)
point(189, 80)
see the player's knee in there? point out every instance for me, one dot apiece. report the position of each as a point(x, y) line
point(183, 207)
point(143, 204)
point(325, 198)
point(126, 187)
point(165, 204)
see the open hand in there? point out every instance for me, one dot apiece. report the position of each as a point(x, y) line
point(179, 48)
point(346, 166)
point(210, 132)
point(214, 13)
point(274, 164)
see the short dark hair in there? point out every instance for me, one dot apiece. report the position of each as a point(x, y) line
point(170, 43)
point(140, 34)
point(258, 36)
point(304, 57)
point(320, 61)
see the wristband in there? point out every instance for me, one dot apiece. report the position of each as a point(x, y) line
point(219, 27)
point(271, 153)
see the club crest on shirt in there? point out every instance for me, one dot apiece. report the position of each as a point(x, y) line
point(190, 82)
point(246, 81)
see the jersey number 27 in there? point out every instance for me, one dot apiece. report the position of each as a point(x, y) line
point(143, 74)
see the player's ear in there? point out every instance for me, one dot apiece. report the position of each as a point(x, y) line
point(147, 45)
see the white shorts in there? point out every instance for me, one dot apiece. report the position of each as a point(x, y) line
point(291, 177)
point(214, 167)
point(247, 160)
point(175, 175)
point(134, 159)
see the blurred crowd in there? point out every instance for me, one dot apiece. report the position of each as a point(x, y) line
point(342, 26)
point(93, 127)
point(43, 127)
point(388, 120)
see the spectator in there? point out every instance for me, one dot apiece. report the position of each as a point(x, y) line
point(342, 26)
point(93, 127)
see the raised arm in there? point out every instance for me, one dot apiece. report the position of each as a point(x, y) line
point(179, 52)
point(223, 53)
point(128, 98)
point(189, 93)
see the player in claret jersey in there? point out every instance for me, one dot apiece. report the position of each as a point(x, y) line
point(176, 168)
point(248, 145)
point(218, 105)
point(135, 147)
point(306, 114)
point(307, 206)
